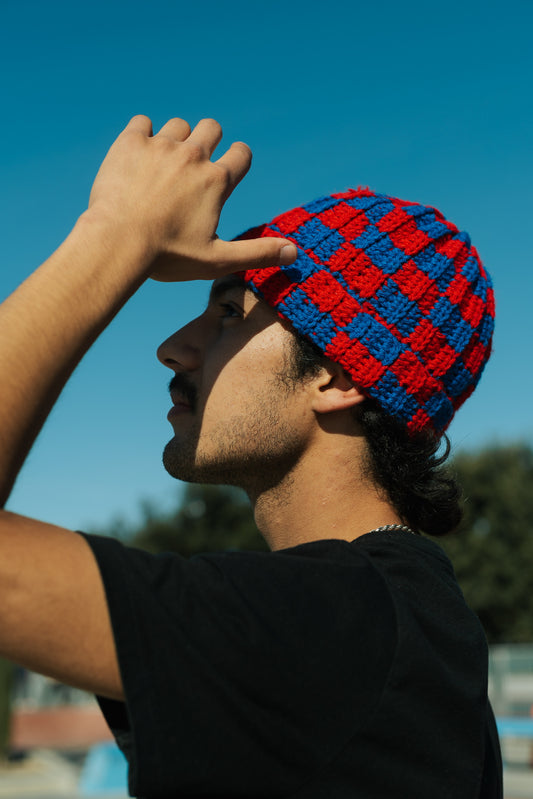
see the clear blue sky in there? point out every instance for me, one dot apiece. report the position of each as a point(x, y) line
point(427, 101)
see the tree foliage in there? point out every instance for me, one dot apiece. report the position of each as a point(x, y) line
point(492, 551)
point(209, 518)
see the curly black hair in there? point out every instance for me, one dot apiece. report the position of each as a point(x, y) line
point(408, 468)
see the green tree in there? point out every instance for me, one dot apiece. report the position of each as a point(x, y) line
point(492, 551)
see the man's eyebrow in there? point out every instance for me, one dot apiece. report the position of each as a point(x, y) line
point(223, 284)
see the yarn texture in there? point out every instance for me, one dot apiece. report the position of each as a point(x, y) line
point(390, 290)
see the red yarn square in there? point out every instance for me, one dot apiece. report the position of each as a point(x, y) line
point(409, 238)
point(291, 221)
point(396, 217)
point(331, 297)
point(340, 215)
point(420, 421)
point(457, 289)
point(272, 283)
point(426, 339)
point(474, 354)
point(441, 360)
point(453, 248)
point(414, 283)
point(356, 359)
point(355, 226)
point(413, 376)
point(472, 309)
point(359, 272)
point(325, 292)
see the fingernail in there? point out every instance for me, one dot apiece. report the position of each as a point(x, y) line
point(287, 255)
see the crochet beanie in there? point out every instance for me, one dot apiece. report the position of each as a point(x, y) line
point(391, 291)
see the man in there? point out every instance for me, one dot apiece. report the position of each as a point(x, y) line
point(344, 663)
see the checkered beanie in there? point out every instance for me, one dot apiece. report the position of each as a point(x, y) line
point(392, 292)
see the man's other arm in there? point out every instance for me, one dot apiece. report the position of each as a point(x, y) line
point(153, 211)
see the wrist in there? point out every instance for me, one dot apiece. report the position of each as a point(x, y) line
point(122, 243)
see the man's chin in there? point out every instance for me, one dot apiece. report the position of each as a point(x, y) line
point(178, 463)
point(182, 463)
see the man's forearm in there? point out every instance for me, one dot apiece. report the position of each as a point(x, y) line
point(48, 324)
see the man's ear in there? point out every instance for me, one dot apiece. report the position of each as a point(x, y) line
point(333, 390)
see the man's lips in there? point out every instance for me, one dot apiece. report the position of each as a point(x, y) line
point(183, 395)
point(179, 401)
point(180, 405)
point(178, 409)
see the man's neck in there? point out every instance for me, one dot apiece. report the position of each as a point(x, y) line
point(326, 495)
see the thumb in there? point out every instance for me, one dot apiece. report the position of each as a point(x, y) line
point(255, 253)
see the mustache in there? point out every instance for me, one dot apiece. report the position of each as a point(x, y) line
point(182, 385)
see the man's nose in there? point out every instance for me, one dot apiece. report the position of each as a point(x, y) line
point(181, 351)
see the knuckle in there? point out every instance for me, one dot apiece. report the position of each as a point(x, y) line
point(164, 143)
point(193, 152)
point(219, 175)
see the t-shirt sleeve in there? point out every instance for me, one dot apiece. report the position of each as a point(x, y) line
point(242, 669)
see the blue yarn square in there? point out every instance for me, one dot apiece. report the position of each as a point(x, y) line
point(439, 409)
point(480, 289)
point(416, 210)
point(379, 210)
point(432, 226)
point(410, 320)
point(486, 329)
point(369, 235)
point(364, 203)
point(311, 233)
point(432, 263)
point(396, 308)
point(379, 341)
point(320, 204)
point(307, 318)
point(447, 272)
point(449, 321)
point(463, 236)
point(394, 397)
point(458, 332)
point(457, 379)
point(302, 268)
point(329, 246)
point(471, 269)
point(427, 221)
point(386, 256)
point(441, 311)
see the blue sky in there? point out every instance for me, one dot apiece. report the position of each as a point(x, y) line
point(428, 102)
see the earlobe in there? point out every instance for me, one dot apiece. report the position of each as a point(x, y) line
point(335, 391)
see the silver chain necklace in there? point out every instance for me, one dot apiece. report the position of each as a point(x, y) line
point(385, 528)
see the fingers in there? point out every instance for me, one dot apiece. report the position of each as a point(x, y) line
point(254, 253)
point(176, 128)
point(236, 162)
point(207, 134)
point(140, 123)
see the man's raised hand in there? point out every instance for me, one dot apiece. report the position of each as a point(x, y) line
point(166, 193)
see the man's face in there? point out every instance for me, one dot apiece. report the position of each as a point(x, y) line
point(237, 416)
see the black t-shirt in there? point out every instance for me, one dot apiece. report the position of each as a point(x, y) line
point(325, 671)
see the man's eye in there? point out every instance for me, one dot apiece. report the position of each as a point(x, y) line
point(229, 311)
